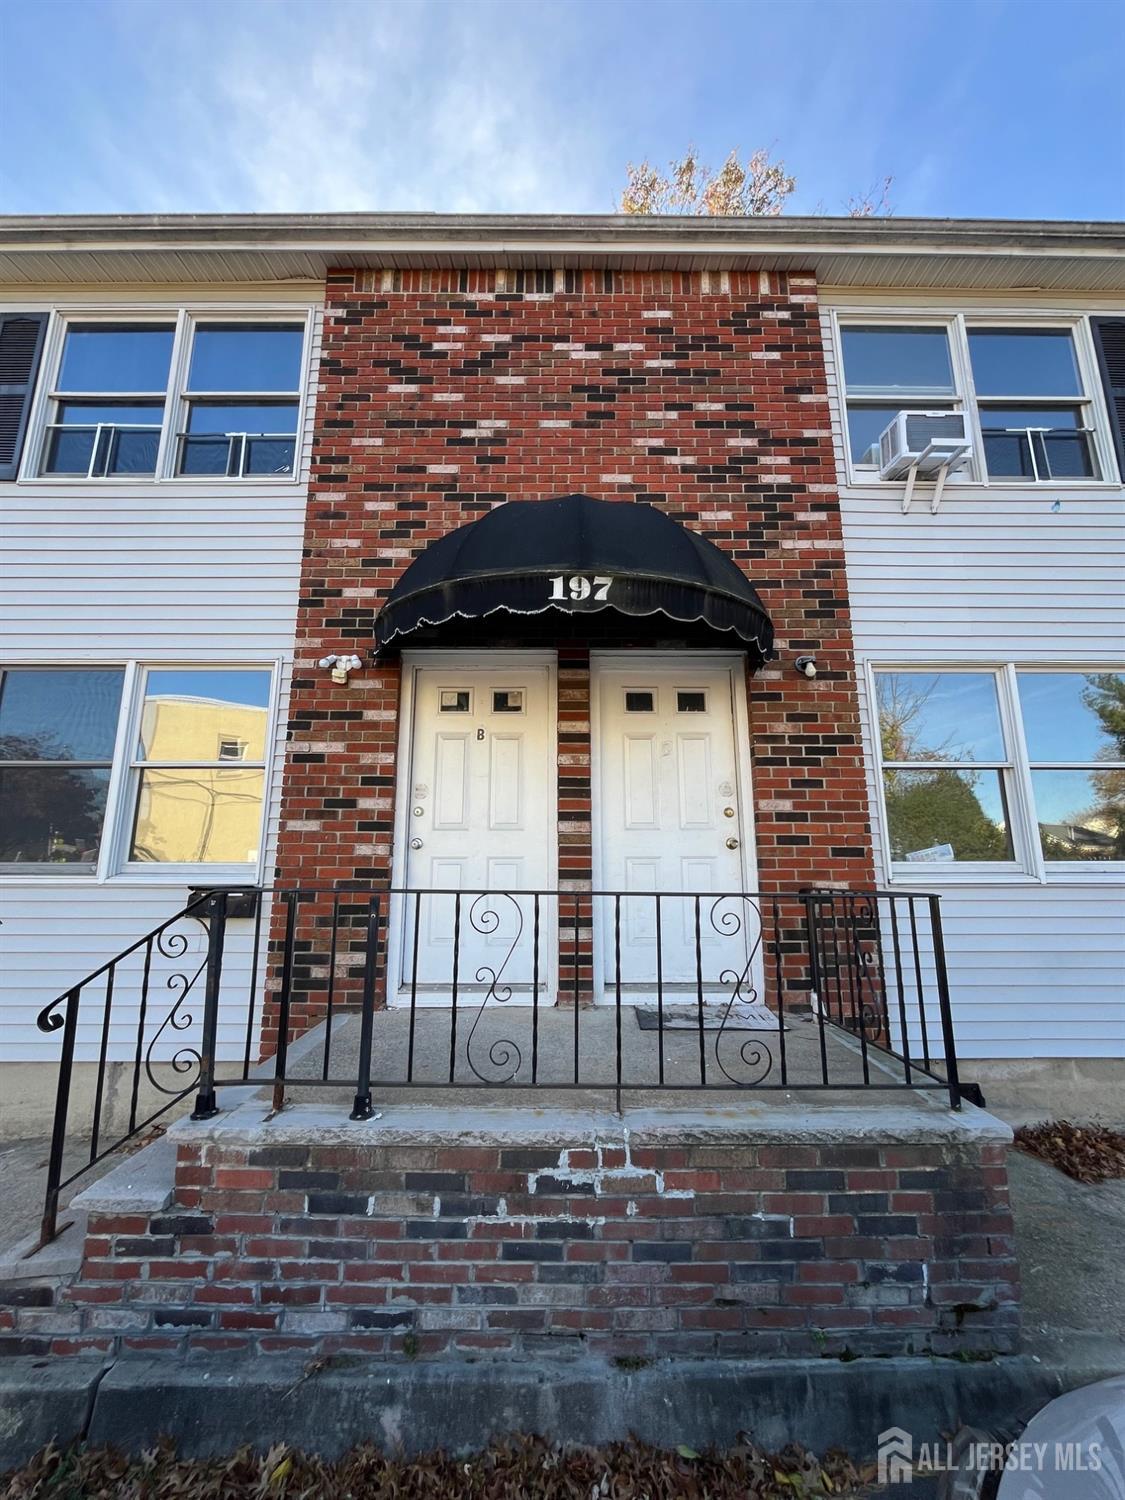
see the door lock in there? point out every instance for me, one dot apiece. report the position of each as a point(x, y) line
point(732, 843)
point(416, 843)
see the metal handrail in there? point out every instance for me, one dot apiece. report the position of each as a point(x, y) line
point(867, 963)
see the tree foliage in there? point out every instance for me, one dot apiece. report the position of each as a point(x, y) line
point(756, 188)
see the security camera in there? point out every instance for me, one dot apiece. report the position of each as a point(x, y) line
point(807, 665)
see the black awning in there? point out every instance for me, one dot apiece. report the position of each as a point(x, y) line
point(576, 555)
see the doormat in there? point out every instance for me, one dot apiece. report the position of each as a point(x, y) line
point(742, 1016)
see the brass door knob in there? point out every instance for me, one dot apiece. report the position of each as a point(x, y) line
point(732, 843)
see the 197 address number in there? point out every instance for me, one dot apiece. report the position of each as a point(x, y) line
point(579, 587)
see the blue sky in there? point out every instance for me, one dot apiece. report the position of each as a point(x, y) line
point(991, 108)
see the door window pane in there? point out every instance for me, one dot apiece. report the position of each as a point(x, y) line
point(947, 815)
point(246, 358)
point(198, 816)
point(1073, 716)
point(953, 716)
point(102, 359)
point(51, 815)
point(883, 361)
point(1081, 814)
point(59, 715)
point(1024, 362)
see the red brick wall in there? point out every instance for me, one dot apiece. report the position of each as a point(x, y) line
point(663, 1249)
point(441, 397)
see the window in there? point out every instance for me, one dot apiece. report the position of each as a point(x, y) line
point(189, 790)
point(639, 701)
point(455, 701)
point(962, 785)
point(241, 400)
point(1028, 390)
point(57, 733)
point(888, 369)
point(1033, 418)
point(190, 805)
point(507, 700)
point(117, 408)
point(945, 769)
point(108, 400)
point(691, 703)
point(1074, 729)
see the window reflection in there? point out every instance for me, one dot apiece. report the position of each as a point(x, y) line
point(943, 814)
point(192, 805)
point(939, 716)
point(51, 815)
point(198, 816)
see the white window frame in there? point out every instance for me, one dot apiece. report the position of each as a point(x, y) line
point(1027, 865)
point(957, 324)
point(184, 320)
point(113, 865)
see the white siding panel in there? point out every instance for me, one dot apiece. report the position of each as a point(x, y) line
point(1024, 575)
point(153, 572)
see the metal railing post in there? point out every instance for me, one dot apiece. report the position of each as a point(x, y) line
point(948, 1043)
point(49, 1227)
point(206, 1104)
point(363, 1109)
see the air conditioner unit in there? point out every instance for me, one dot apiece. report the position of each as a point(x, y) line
point(925, 441)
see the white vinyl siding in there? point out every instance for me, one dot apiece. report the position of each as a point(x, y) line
point(184, 571)
point(1023, 574)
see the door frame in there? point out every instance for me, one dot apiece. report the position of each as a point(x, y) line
point(669, 664)
point(461, 661)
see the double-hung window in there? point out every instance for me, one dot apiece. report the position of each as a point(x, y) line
point(100, 776)
point(178, 397)
point(1016, 769)
point(1028, 391)
point(1034, 415)
point(191, 805)
point(58, 728)
point(1074, 730)
point(946, 768)
point(107, 406)
point(240, 400)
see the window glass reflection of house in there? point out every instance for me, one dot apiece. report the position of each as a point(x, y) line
point(196, 805)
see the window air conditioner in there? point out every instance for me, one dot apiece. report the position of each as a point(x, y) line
point(926, 441)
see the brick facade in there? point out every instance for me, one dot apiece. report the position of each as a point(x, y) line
point(443, 394)
point(741, 1248)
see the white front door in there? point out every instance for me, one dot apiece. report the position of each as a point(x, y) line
point(476, 803)
point(669, 818)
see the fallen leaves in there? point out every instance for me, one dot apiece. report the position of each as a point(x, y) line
point(519, 1468)
point(1088, 1153)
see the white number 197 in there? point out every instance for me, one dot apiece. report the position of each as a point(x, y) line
point(579, 588)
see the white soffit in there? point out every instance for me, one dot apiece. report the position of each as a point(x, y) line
point(973, 255)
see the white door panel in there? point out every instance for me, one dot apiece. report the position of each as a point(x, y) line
point(479, 796)
point(667, 811)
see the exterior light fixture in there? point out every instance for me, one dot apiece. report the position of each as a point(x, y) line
point(340, 666)
point(807, 665)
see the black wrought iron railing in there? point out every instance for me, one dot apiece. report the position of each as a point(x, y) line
point(384, 991)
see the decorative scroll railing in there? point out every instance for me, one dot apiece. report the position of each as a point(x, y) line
point(377, 990)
